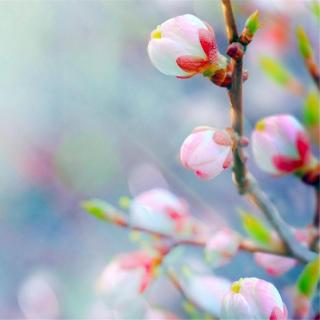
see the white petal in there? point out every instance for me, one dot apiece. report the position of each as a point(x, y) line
point(185, 31)
point(264, 148)
point(163, 54)
point(235, 307)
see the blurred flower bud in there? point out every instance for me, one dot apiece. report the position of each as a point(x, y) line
point(281, 146)
point(207, 152)
point(184, 46)
point(159, 210)
point(134, 270)
point(37, 297)
point(304, 44)
point(251, 26)
point(273, 264)
point(302, 305)
point(253, 298)
point(222, 246)
point(204, 290)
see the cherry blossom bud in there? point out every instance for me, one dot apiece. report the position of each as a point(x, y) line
point(235, 50)
point(273, 264)
point(37, 297)
point(184, 46)
point(207, 152)
point(161, 211)
point(255, 299)
point(133, 270)
point(222, 246)
point(281, 146)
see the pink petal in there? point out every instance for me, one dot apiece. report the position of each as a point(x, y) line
point(286, 164)
point(229, 160)
point(208, 44)
point(190, 63)
point(222, 138)
point(303, 146)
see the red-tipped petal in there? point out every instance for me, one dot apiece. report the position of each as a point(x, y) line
point(208, 44)
point(303, 146)
point(146, 279)
point(286, 164)
point(185, 77)
point(191, 64)
point(227, 163)
point(277, 314)
point(222, 138)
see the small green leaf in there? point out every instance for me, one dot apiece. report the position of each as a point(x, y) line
point(102, 210)
point(252, 23)
point(315, 8)
point(255, 228)
point(275, 70)
point(303, 43)
point(309, 278)
point(311, 109)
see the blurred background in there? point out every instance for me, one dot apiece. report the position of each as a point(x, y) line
point(85, 114)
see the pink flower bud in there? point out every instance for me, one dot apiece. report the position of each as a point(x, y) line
point(161, 211)
point(37, 297)
point(184, 46)
point(222, 246)
point(133, 270)
point(255, 299)
point(207, 152)
point(280, 145)
point(273, 264)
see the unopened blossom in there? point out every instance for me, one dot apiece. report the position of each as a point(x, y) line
point(207, 152)
point(280, 145)
point(222, 247)
point(273, 264)
point(254, 299)
point(37, 297)
point(184, 46)
point(159, 210)
point(205, 290)
point(134, 270)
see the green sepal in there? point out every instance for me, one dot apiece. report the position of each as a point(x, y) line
point(101, 210)
point(275, 70)
point(315, 8)
point(253, 23)
point(311, 109)
point(255, 228)
point(303, 43)
point(308, 279)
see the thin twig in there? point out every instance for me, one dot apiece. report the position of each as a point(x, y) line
point(244, 245)
point(316, 220)
point(243, 180)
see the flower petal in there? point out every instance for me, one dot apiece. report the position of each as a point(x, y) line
point(163, 54)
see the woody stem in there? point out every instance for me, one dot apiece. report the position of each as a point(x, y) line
point(244, 181)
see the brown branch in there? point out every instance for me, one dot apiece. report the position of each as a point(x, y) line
point(244, 245)
point(231, 26)
point(316, 220)
point(246, 183)
point(313, 70)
